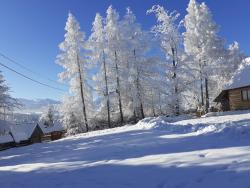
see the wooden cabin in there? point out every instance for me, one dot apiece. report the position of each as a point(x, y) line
point(6, 141)
point(25, 134)
point(51, 133)
point(236, 95)
point(36, 136)
point(16, 135)
point(234, 99)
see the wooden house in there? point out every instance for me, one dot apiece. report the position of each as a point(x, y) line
point(26, 133)
point(54, 132)
point(20, 135)
point(236, 95)
point(36, 136)
point(6, 141)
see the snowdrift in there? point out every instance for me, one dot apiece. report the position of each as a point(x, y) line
point(229, 124)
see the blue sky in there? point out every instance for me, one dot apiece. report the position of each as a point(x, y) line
point(30, 31)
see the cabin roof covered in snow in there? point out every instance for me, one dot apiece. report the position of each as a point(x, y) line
point(6, 138)
point(20, 131)
point(49, 129)
point(241, 77)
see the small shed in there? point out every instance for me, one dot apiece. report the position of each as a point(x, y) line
point(236, 95)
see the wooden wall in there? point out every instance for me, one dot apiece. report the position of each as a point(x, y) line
point(7, 145)
point(235, 100)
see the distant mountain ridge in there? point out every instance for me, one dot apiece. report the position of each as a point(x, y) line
point(36, 105)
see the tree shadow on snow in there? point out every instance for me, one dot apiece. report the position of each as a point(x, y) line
point(129, 176)
point(120, 146)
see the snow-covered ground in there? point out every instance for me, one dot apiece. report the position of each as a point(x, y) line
point(156, 153)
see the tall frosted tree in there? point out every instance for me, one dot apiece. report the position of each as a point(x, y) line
point(112, 34)
point(167, 31)
point(134, 47)
point(202, 42)
point(96, 44)
point(74, 64)
point(139, 66)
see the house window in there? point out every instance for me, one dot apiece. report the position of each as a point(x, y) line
point(245, 95)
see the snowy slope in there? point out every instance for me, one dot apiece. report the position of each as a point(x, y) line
point(156, 153)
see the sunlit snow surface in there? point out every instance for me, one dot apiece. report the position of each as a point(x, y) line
point(156, 153)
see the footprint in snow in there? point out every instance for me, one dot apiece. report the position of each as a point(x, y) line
point(202, 156)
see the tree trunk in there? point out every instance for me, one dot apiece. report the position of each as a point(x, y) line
point(201, 86)
point(134, 112)
point(138, 87)
point(135, 118)
point(160, 104)
point(177, 108)
point(107, 90)
point(118, 90)
point(153, 104)
point(207, 95)
point(82, 96)
point(4, 113)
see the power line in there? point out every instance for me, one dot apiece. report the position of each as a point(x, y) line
point(31, 79)
point(27, 69)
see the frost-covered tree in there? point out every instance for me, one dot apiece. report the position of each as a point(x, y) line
point(96, 44)
point(139, 68)
point(7, 103)
point(113, 40)
point(234, 58)
point(167, 31)
point(137, 73)
point(47, 118)
point(202, 42)
point(134, 47)
point(73, 123)
point(74, 63)
point(66, 109)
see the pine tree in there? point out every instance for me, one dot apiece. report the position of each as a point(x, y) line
point(201, 41)
point(167, 31)
point(112, 32)
point(75, 65)
point(48, 117)
point(7, 103)
point(96, 44)
point(73, 124)
point(133, 49)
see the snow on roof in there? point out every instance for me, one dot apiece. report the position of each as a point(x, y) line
point(6, 138)
point(49, 129)
point(22, 131)
point(242, 76)
point(4, 127)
